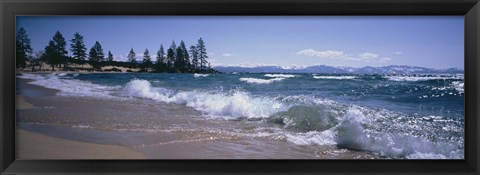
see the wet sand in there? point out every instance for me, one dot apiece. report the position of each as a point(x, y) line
point(32, 145)
point(158, 130)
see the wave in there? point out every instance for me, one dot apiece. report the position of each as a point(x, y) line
point(70, 87)
point(358, 129)
point(335, 77)
point(458, 85)
point(236, 104)
point(280, 75)
point(422, 78)
point(302, 119)
point(260, 81)
point(200, 75)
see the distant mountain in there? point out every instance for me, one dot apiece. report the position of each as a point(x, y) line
point(340, 70)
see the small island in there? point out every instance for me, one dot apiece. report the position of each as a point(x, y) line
point(176, 59)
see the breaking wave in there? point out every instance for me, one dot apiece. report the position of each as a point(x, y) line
point(235, 104)
point(200, 75)
point(70, 87)
point(335, 77)
point(280, 75)
point(423, 78)
point(261, 81)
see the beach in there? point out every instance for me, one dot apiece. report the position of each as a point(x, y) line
point(135, 119)
point(31, 145)
point(53, 127)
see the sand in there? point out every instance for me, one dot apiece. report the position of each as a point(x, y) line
point(32, 145)
point(21, 103)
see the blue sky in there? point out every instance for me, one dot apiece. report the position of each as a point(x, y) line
point(357, 41)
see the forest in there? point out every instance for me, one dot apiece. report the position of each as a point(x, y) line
point(175, 59)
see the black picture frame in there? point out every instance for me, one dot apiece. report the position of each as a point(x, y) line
point(470, 9)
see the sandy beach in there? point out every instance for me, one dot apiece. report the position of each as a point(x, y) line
point(32, 145)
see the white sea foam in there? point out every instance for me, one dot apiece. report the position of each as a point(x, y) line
point(200, 75)
point(312, 138)
point(423, 78)
point(229, 105)
point(351, 133)
point(280, 75)
point(458, 85)
point(70, 87)
point(334, 77)
point(261, 81)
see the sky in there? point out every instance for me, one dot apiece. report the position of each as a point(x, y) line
point(355, 41)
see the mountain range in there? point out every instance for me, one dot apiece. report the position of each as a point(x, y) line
point(392, 69)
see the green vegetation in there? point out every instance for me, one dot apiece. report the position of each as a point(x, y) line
point(177, 59)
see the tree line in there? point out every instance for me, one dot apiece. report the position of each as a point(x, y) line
point(174, 59)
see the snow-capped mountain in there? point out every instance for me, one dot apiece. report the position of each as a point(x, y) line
point(392, 69)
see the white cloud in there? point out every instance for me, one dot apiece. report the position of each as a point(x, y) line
point(366, 56)
point(322, 54)
point(229, 54)
point(398, 53)
point(384, 59)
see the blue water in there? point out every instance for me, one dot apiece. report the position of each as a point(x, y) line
point(409, 116)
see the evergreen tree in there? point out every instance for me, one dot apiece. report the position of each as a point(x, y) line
point(172, 54)
point(55, 51)
point(147, 61)
point(23, 48)
point(161, 56)
point(184, 55)
point(194, 56)
point(96, 53)
point(202, 54)
point(170, 57)
point(131, 56)
point(180, 57)
point(78, 47)
point(110, 57)
point(51, 57)
point(60, 47)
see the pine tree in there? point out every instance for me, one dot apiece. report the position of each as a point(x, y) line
point(96, 53)
point(147, 61)
point(55, 51)
point(172, 54)
point(180, 57)
point(23, 48)
point(110, 57)
point(51, 57)
point(131, 56)
point(170, 57)
point(185, 57)
point(161, 56)
point(194, 56)
point(202, 54)
point(60, 47)
point(78, 47)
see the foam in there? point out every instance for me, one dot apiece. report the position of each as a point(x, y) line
point(70, 87)
point(200, 75)
point(235, 104)
point(260, 81)
point(423, 78)
point(459, 86)
point(335, 77)
point(351, 133)
point(280, 75)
